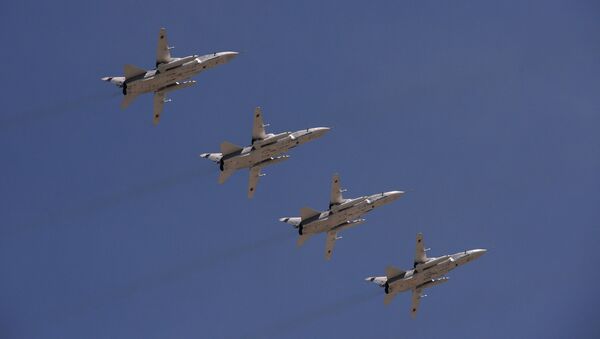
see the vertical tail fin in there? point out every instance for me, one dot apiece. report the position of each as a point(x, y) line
point(127, 100)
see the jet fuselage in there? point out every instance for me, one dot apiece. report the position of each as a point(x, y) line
point(337, 217)
point(177, 70)
point(261, 152)
point(424, 276)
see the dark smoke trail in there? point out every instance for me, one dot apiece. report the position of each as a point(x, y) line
point(96, 205)
point(202, 263)
point(56, 108)
point(285, 326)
point(180, 272)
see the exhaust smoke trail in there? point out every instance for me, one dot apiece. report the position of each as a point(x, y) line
point(202, 263)
point(285, 326)
point(56, 108)
point(96, 205)
point(179, 272)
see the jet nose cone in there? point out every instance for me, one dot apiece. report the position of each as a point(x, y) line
point(319, 131)
point(393, 195)
point(228, 55)
point(477, 253)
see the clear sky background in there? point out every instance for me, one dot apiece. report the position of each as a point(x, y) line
point(485, 112)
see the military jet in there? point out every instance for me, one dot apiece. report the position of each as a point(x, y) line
point(426, 272)
point(169, 75)
point(342, 214)
point(266, 149)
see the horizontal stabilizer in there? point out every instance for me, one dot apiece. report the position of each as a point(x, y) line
point(307, 213)
point(127, 100)
point(228, 148)
point(302, 239)
point(132, 71)
point(388, 298)
point(392, 271)
point(225, 175)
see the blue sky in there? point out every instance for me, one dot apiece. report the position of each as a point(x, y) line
point(486, 113)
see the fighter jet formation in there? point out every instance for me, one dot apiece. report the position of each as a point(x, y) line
point(266, 149)
point(426, 273)
point(342, 214)
point(171, 73)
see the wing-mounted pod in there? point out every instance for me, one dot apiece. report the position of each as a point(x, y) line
point(274, 160)
point(177, 85)
point(435, 282)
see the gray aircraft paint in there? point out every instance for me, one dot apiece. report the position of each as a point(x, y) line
point(265, 150)
point(342, 214)
point(426, 273)
point(170, 74)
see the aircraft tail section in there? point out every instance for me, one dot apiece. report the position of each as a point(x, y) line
point(307, 213)
point(392, 271)
point(127, 100)
point(388, 298)
point(228, 148)
point(118, 81)
point(302, 239)
point(216, 157)
point(132, 71)
point(294, 221)
point(225, 175)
